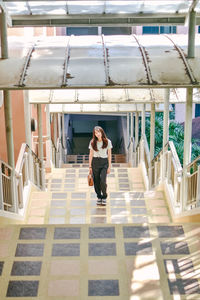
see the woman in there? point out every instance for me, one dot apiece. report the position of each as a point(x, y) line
point(100, 162)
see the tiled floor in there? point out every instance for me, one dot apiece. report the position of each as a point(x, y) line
point(69, 200)
point(72, 249)
point(91, 261)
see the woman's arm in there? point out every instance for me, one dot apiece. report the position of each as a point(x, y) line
point(109, 160)
point(90, 159)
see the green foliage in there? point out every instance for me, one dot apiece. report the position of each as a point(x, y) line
point(176, 134)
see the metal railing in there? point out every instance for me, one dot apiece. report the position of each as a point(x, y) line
point(193, 184)
point(13, 181)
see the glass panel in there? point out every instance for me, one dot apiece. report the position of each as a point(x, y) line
point(82, 30)
point(150, 29)
point(167, 29)
point(116, 30)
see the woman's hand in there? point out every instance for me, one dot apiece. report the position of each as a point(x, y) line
point(108, 170)
point(90, 170)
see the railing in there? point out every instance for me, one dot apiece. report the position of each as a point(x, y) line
point(193, 184)
point(58, 153)
point(13, 181)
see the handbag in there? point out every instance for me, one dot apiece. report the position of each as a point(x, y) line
point(90, 180)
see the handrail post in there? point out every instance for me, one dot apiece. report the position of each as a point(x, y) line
point(37, 174)
point(14, 192)
point(198, 187)
point(169, 161)
point(20, 191)
point(26, 168)
point(1, 190)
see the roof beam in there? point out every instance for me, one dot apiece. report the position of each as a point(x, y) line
point(4, 9)
point(193, 5)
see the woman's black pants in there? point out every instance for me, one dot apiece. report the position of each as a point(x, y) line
point(99, 169)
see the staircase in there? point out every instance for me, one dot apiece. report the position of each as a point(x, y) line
point(72, 249)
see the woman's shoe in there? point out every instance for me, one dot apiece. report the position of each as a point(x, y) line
point(99, 201)
point(103, 202)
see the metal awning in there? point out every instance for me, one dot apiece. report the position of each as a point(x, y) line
point(111, 97)
point(99, 12)
point(102, 108)
point(78, 62)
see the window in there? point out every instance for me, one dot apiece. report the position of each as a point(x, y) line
point(198, 29)
point(116, 30)
point(158, 29)
point(197, 110)
point(82, 30)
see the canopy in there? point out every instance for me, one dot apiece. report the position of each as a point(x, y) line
point(100, 62)
point(100, 12)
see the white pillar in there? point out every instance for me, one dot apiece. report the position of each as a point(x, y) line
point(128, 134)
point(27, 121)
point(136, 127)
point(143, 131)
point(55, 128)
point(152, 133)
point(187, 143)
point(48, 140)
point(40, 143)
point(165, 130)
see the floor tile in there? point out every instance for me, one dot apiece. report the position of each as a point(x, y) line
point(180, 266)
point(78, 195)
point(174, 248)
point(170, 231)
point(65, 267)
point(26, 268)
point(67, 233)
point(101, 232)
point(77, 203)
point(57, 220)
point(102, 249)
point(6, 233)
point(103, 288)
point(138, 248)
point(98, 220)
point(139, 219)
point(136, 231)
point(77, 211)
point(29, 250)
point(184, 286)
point(66, 249)
point(58, 203)
point(32, 233)
point(63, 288)
point(54, 211)
point(59, 195)
point(21, 288)
point(1, 267)
point(137, 202)
point(138, 210)
point(102, 267)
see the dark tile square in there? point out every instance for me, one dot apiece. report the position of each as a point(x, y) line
point(29, 250)
point(103, 288)
point(67, 233)
point(1, 267)
point(102, 249)
point(123, 175)
point(138, 248)
point(55, 180)
point(174, 248)
point(118, 195)
point(99, 211)
point(136, 232)
point(137, 203)
point(138, 211)
point(78, 195)
point(137, 195)
point(179, 266)
point(58, 203)
point(122, 170)
point(59, 195)
point(184, 286)
point(70, 175)
point(55, 186)
point(102, 232)
point(70, 185)
point(20, 288)
point(68, 180)
point(66, 250)
point(77, 211)
point(170, 231)
point(26, 268)
point(117, 202)
point(32, 233)
point(98, 220)
point(122, 180)
point(78, 203)
point(119, 211)
point(124, 185)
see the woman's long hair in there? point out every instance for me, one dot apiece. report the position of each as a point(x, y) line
point(94, 138)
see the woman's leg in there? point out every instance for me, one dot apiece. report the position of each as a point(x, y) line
point(96, 176)
point(103, 184)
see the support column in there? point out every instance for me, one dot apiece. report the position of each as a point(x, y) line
point(191, 34)
point(136, 128)
point(4, 39)
point(48, 141)
point(143, 131)
point(55, 129)
point(152, 133)
point(27, 121)
point(131, 141)
point(128, 133)
point(40, 142)
point(165, 130)
point(187, 145)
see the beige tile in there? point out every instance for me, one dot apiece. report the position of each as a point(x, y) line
point(6, 233)
point(37, 212)
point(41, 196)
point(143, 267)
point(152, 203)
point(159, 219)
point(65, 267)
point(159, 211)
point(4, 250)
point(35, 220)
point(36, 203)
point(63, 288)
point(104, 266)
